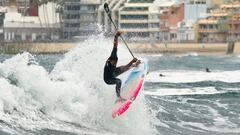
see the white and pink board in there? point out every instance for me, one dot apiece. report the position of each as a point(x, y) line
point(130, 88)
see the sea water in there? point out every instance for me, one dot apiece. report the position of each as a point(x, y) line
point(65, 94)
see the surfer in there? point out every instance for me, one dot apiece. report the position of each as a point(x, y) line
point(208, 70)
point(111, 71)
point(161, 75)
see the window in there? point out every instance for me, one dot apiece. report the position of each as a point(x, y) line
point(133, 26)
point(154, 16)
point(154, 25)
point(18, 37)
point(75, 25)
point(134, 17)
point(84, 8)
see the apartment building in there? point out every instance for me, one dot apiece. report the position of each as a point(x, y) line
point(20, 28)
point(171, 14)
point(3, 10)
point(154, 20)
point(79, 18)
point(143, 19)
point(213, 28)
point(234, 27)
point(186, 31)
point(103, 19)
point(195, 9)
point(3, 2)
point(138, 20)
point(216, 3)
point(221, 25)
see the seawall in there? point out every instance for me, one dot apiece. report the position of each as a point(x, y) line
point(13, 48)
point(144, 47)
point(214, 49)
point(237, 48)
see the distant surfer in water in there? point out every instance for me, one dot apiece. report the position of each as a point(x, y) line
point(111, 71)
point(161, 75)
point(208, 70)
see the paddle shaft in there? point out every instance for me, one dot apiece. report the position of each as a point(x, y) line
point(107, 10)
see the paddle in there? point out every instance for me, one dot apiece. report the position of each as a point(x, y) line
point(107, 10)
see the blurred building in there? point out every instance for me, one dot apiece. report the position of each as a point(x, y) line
point(144, 19)
point(3, 2)
point(195, 9)
point(79, 18)
point(221, 25)
point(217, 3)
point(41, 28)
point(171, 14)
point(138, 20)
point(25, 7)
point(213, 28)
point(234, 27)
point(3, 10)
point(103, 19)
point(186, 31)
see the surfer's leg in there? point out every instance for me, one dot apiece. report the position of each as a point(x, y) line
point(118, 83)
point(118, 86)
point(111, 81)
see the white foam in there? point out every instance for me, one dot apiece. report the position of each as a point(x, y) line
point(182, 76)
point(220, 123)
point(215, 128)
point(74, 92)
point(190, 91)
point(188, 54)
point(151, 55)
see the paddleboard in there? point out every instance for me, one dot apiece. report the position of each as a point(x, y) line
point(130, 88)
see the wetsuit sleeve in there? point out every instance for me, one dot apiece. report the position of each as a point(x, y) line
point(114, 53)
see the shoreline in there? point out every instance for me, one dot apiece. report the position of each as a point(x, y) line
point(174, 48)
point(136, 47)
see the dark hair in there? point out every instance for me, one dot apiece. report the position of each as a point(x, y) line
point(113, 58)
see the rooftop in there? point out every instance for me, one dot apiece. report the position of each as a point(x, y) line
point(84, 1)
point(138, 4)
point(230, 5)
point(14, 24)
point(3, 9)
point(208, 21)
point(218, 14)
point(166, 3)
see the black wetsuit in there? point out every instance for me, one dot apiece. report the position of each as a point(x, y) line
point(111, 72)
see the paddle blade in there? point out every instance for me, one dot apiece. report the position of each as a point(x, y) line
point(106, 7)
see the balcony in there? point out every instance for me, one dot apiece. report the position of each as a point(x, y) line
point(134, 30)
point(133, 21)
point(154, 29)
point(78, 12)
point(234, 31)
point(212, 30)
point(71, 20)
point(234, 22)
point(133, 13)
point(71, 29)
point(153, 20)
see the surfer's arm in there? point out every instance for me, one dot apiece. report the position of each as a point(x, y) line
point(130, 64)
point(115, 43)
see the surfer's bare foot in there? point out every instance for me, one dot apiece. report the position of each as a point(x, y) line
point(120, 99)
